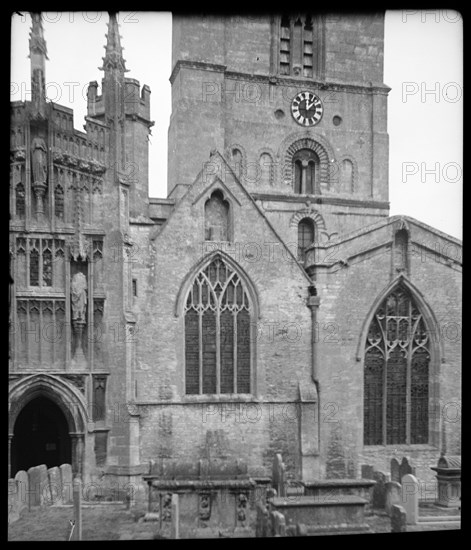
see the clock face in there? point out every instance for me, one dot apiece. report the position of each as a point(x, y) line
point(307, 109)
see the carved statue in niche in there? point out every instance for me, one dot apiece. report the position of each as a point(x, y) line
point(78, 290)
point(39, 160)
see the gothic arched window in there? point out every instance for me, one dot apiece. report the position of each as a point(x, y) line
point(396, 377)
point(305, 237)
point(306, 168)
point(217, 332)
point(216, 218)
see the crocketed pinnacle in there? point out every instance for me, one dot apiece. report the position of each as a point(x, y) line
point(114, 51)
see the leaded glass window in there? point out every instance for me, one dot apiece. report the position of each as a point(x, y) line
point(305, 237)
point(217, 332)
point(396, 377)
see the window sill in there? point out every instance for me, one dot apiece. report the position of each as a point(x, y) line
point(402, 448)
point(219, 398)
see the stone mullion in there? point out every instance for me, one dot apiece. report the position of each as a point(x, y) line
point(13, 195)
point(408, 378)
point(27, 329)
point(200, 347)
point(40, 261)
point(54, 327)
point(27, 263)
point(385, 388)
point(218, 347)
point(13, 305)
point(90, 312)
point(40, 354)
point(67, 313)
point(28, 201)
point(234, 346)
point(303, 178)
point(90, 202)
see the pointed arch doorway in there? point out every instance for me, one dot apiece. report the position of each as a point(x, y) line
point(40, 436)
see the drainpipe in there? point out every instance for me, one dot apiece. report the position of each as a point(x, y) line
point(313, 302)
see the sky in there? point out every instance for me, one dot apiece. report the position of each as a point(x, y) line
point(423, 66)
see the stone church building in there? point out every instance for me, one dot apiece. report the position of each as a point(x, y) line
point(268, 303)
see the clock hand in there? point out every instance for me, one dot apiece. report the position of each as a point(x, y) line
point(309, 105)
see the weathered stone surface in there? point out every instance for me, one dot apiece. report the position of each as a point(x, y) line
point(67, 485)
point(13, 501)
point(367, 471)
point(168, 241)
point(410, 498)
point(55, 485)
point(22, 479)
point(279, 475)
point(379, 490)
point(398, 519)
point(395, 470)
point(278, 524)
point(261, 526)
point(393, 496)
point(39, 492)
point(405, 468)
point(175, 529)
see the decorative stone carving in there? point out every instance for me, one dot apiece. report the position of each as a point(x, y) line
point(242, 507)
point(39, 160)
point(205, 507)
point(78, 380)
point(78, 292)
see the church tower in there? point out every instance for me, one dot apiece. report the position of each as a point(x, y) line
point(298, 106)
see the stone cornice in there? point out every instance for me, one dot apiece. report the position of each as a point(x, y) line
point(277, 80)
point(200, 65)
point(303, 199)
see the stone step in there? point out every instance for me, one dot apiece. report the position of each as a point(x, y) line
point(431, 526)
point(439, 519)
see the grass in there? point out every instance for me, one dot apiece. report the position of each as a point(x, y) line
point(99, 522)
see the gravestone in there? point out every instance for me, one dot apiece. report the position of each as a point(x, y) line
point(13, 501)
point(277, 525)
point(395, 470)
point(261, 526)
point(278, 475)
point(398, 519)
point(66, 482)
point(301, 530)
point(410, 498)
point(393, 496)
point(405, 468)
point(55, 485)
point(367, 471)
point(379, 490)
point(77, 496)
point(39, 493)
point(175, 527)
point(280, 524)
point(22, 480)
